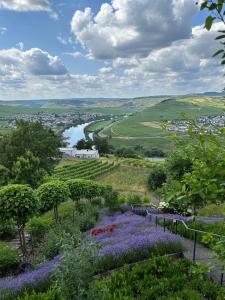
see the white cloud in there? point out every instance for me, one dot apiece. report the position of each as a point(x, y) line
point(65, 40)
point(3, 30)
point(75, 54)
point(28, 5)
point(105, 70)
point(132, 27)
point(20, 45)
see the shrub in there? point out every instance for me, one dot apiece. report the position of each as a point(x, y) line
point(154, 152)
point(125, 152)
point(38, 227)
point(88, 216)
point(9, 259)
point(7, 230)
point(134, 199)
point(157, 177)
point(111, 201)
point(53, 242)
point(160, 278)
point(49, 295)
point(75, 274)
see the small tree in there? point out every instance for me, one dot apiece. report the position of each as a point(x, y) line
point(26, 170)
point(51, 194)
point(156, 178)
point(18, 202)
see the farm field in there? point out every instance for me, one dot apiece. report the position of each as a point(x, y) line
point(85, 169)
point(143, 128)
point(127, 179)
point(98, 125)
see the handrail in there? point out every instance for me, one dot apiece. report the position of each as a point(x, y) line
point(177, 220)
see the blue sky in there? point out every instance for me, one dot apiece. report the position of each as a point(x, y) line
point(53, 49)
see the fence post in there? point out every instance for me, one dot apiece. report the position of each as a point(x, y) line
point(156, 221)
point(195, 242)
point(221, 280)
point(164, 224)
point(176, 227)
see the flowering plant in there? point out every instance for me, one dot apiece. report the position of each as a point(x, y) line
point(109, 228)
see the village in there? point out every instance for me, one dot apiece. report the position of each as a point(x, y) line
point(210, 123)
point(53, 120)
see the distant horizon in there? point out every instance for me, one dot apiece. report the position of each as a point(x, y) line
point(222, 93)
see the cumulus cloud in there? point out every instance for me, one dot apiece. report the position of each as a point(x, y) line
point(28, 5)
point(127, 27)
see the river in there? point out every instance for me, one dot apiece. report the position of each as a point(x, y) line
point(75, 133)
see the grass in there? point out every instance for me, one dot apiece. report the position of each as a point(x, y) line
point(127, 179)
point(135, 129)
point(98, 125)
point(212, 210)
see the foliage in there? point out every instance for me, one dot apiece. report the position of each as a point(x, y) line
point(88, 169)
point(49, 295)
point(133, 199)
point(160, 278)
point(75, 274)
point(102, 145)
point(111, 201)
point(84, 144)
point(51, 194)
point(219, 249)
point(216, 10)
point(26, 170)
point(42, 142)
point(157, 177)
point(53, 242)
point(18, 202)
point(7, 229)
point(203, 182)
point(154, 152)
point(9, 259)
point(125, 152)
point(4, 175)
point(38, 226)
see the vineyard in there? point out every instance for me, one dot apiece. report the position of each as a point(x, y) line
point(86, 169)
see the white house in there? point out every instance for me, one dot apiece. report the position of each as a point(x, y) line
point(85, 153)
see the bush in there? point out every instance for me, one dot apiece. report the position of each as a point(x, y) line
point(88, 216)
point(156, 178)
point(9, 259)
point(7, 230)
point(134, 199)
point(154, 152)
point(126, 152)
point(160, 278)
point(111, 201)
point(37, 227)
point(75, 273)
point(53, 242)
point(49, 295)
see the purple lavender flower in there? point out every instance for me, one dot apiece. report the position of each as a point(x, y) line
point(133, 233)
point(32, 278)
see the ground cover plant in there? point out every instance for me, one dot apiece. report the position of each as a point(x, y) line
point(127, 238)
point(161, 278)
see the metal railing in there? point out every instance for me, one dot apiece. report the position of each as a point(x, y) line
point(157, 216)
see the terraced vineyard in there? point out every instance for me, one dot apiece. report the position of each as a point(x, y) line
point(86, 169)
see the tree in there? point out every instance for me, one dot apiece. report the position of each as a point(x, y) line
point(125, 152)
point(26, 170)
point(216, 10)
point(34, 137)
point(18, 202)
point(83, 144)
point(102, 145)
point(51, 194)
point(203, 183)
point(156, 178)
point(4, 175)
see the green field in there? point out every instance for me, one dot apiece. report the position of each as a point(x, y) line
point(144, 128)
point(128, 179)
point(98, 125)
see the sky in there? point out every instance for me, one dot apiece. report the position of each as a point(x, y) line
point(52, 49)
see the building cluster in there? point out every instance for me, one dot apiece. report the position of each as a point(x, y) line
point(84, 154)
point(209, 123)
point(52, 120)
